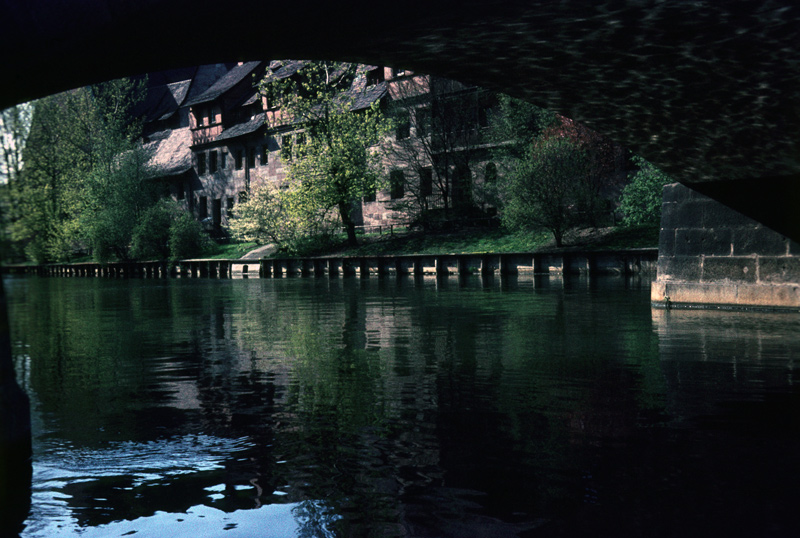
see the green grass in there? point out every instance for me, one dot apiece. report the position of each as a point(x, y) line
point(478, 241)
point(230, 250)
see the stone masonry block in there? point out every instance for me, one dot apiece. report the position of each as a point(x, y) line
point(691, 214)
point(697, 242)
point(675, 192)
point(779, 270)
point(679, 268)
point(718, 215)
point(666, 242)
point(758, 240)
point(733, 269)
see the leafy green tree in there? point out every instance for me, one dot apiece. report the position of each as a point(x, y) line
point(83, 182)
point(56, 157)
point(554, 173)
point(281, 216)
point(540, 191)
point(165, 231)
point(332, 166)
point(641, 199)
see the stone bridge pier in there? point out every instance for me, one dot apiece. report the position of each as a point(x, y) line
point(710, 255)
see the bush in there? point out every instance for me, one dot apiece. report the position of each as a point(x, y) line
point(165, 231)
point(641, 199)
point(187, 238)
point(151, 234)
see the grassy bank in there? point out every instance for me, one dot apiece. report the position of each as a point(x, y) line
point(483, 240)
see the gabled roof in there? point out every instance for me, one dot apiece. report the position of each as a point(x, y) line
point(364, 98)
point(170, 155)
point(285, 69)
point(225, 83)
point(241, 129)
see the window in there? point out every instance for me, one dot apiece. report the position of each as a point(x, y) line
point(237, 156)
point(423, 121)
point(212, 161)
point(370, 196)
point(490, 175)
point(223, 159)
point(202, 207)
point(299, 142)
point(375, 76)
point(251, 157)
point(397, 184)
point(286, 148)
point(426, 182)
point(216, 212)
point(230, 206)
point(403, 129)
point(242, 197)
point(181, 192)
point(201, 164)
point(264, 155)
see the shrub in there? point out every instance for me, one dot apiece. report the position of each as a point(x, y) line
point(640, 202)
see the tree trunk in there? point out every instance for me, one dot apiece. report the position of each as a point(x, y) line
point(349, 225)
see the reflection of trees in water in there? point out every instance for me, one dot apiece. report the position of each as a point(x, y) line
point(391, 403)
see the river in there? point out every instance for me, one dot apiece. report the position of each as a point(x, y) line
point(386, 407)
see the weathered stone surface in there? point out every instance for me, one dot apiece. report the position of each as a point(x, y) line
point(702, 241)
point(730, 269)
point(782, 270)
point(679, 268)
point(758, 240)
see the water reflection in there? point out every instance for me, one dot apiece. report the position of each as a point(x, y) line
point(402, 407)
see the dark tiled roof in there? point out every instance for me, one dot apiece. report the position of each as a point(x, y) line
point(225, 83)
point(364, 98)
point(241, 129)
point(287, 69)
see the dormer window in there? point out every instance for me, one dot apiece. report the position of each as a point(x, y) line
point(374, 77)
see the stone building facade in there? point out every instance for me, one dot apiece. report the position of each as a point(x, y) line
point(211, 144)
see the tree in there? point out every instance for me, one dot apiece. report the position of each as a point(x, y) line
point(641, 199)
point(15, 123)
point(555, 173)
point(83, 183)
point(540, 191)
point(281, 216)
point(166, 232)
point(56, 156)
point(330, 165)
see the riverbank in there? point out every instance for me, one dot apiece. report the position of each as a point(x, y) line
point(482, 241)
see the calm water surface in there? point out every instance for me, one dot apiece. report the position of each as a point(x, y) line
point(383, 408)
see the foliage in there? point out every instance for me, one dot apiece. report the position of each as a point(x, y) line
point(284, 217)
point(641, 199)
point(541, 190)
point(167, 232)
point(555, 174)
point(83, 180)
point(331, 167)
point(186, 237)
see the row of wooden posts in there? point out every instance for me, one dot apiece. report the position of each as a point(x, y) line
point(615, 262)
